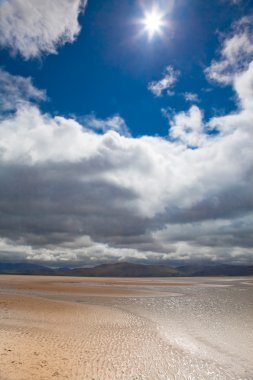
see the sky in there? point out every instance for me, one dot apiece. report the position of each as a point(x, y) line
point(126, 131)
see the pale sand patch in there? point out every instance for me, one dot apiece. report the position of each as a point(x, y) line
point(44, 339)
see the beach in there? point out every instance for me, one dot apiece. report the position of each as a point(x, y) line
point(125, 328)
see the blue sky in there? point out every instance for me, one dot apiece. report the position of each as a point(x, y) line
point(152, 128)
point(108, 67)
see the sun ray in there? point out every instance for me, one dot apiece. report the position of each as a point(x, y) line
point(153, 22)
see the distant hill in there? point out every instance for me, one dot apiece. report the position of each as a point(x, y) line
point(125, 269)
point(225, 270)
point(25, 268)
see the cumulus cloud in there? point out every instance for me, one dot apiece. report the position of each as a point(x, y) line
point(188, 127)
point(236, 53)
point(16, 91)
point(165, 84)
point(34, 27)
point(114, 123)
point(70, 194)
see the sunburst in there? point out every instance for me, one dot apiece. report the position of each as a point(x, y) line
point(153, 22)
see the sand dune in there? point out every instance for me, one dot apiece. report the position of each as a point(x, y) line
point(46, 338)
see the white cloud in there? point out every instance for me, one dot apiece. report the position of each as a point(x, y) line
point(34, 27)
point(241, 121)
point(16, 91)
point(114, 123)
point(81, 249)
point(236, 53)
point(203, 238)
point(164, 84)
point(191, 97)
point(188, 127)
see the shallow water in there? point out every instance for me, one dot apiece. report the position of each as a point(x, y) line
point(211, 324)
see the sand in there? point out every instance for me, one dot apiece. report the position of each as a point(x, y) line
point(108, 329)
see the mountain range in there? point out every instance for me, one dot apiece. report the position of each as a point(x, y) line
point(125, 269)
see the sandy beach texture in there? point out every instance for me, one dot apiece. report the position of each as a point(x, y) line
point(124, 329)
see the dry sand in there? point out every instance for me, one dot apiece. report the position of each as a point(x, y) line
point(86, 328)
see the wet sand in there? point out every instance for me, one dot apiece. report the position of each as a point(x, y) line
point(110, 329)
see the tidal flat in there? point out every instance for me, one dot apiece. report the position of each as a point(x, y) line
point(126, 328)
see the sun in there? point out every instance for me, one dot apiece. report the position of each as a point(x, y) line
point(153, 22)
